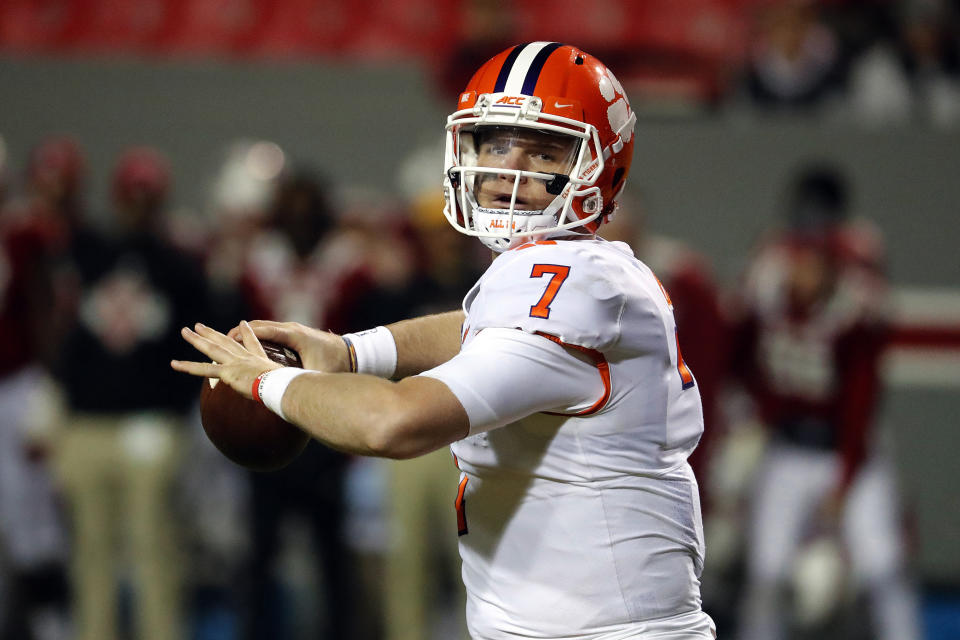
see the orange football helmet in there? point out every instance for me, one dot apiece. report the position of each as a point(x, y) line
point(540, 145)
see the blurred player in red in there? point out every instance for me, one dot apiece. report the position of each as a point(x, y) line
point(300, 268)
point(808, 343)
point(33, 541)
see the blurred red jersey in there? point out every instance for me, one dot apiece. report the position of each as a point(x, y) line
point(808, 344)
point(317, 290)
point(28, 244)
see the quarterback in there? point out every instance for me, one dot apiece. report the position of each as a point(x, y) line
point(559, 386)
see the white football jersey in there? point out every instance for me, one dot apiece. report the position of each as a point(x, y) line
point(579, 515)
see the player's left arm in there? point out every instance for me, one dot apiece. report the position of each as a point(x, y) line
point(358, 414)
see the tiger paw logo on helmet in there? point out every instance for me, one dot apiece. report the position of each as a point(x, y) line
point(541, 145)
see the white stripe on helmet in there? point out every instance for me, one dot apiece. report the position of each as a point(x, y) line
point(521, 66)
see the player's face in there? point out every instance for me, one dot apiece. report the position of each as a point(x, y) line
point(519, 149)
point(811, 275)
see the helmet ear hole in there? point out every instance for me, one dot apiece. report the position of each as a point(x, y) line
point(591, 205)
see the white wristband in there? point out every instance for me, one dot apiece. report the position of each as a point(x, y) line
point(375, 351)
point(270, 386)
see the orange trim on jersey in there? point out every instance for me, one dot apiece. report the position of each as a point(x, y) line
point(686, 376)
point(533, 244)
point(461, 506)
point(664, 290)
point(599, 361)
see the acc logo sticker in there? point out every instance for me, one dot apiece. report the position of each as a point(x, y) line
point(514, 100)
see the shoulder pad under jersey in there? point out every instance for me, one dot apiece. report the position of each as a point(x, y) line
point(568, 289)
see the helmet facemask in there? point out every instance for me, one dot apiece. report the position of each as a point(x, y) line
point(517, 176)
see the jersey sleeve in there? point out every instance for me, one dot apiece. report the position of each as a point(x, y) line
point(556, 289)
point(503, 375)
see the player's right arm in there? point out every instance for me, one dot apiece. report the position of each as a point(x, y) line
point(422, 343)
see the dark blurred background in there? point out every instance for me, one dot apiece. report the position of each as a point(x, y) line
point(167, 161)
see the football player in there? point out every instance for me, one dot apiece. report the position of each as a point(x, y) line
point(809, 342)
point(559, 386)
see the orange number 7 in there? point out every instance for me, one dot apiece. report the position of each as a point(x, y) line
point(559, 273)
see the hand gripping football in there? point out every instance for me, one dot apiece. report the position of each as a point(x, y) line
point(244, 430)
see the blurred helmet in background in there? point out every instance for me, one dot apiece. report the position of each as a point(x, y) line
point(56, 169)
point(141, 174)
point(246, 181)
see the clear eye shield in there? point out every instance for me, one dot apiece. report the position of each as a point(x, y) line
point(514, 168)
point(512, 175)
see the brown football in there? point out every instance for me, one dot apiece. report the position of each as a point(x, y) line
point(244, 430)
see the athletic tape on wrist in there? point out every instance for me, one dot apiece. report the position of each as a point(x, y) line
point(269, 387)
point(375, 351)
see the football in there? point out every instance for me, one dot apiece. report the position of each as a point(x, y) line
point(245, 431)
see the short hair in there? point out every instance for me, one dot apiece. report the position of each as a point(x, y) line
point(818, 197)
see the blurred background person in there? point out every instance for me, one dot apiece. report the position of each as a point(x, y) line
point(808, 347)
point(795, 60)
point(485, 28)
point(239, 195)
point(929, 49)
point(33, 540)
point(213, 493)
point(297, 273)
point(908, 70)
point(118, 451)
